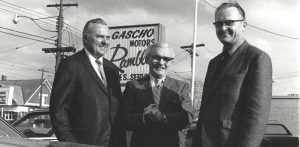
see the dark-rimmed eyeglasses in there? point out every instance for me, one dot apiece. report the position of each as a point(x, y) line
point(158, 58)
point(227, 23)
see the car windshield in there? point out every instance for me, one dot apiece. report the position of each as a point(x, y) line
point(275, 129)
point(7, 130)
point(35, 126)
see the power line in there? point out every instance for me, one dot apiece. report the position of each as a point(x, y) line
point(20, 65)
point(27, 16)
point(261, 29)
point(295, 38)
point(17, 64)
point(73, 28)
point(6, 70)
point(22, 8)
point(27, 37)
point(117, 22)
point(48, 24)
point(286, 76)
point(182, 71)
point(178, 75)
point(16, 48)
point(26, 33)
point(209, 4)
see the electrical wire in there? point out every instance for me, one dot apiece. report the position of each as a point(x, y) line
point(16, 48)
point(27, 33)
point(23, 8)
point(44, 22)
point(261, 29)
point(27, 38)
point(71, 27)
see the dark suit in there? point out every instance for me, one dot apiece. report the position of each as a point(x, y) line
point(236, 103)
point(83, 110)
point(174, 103)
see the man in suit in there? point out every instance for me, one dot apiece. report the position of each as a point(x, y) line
point(237, 89)
point(86, 93)
point(157, 106)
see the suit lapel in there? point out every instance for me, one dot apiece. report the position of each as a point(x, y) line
point(164, 92)
point(148, 91)
point(92, 72)
point(237, 57)
point(211, 82)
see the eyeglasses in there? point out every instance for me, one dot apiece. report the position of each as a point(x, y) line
point(158, 58)
point(227, 23)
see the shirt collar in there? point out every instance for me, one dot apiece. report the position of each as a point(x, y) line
point(91, 57)
point(152, 80)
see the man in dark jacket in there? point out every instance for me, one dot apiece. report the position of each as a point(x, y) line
point(157, 106)
point(86, 94)
point(237, 89)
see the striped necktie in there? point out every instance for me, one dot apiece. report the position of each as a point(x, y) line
point(101, 71)
point(157, 91)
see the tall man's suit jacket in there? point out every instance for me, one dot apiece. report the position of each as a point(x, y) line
point(82, 109)
point(174, 103)
point(235, 107)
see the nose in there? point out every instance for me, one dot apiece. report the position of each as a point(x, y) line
point(161, 61)
point(223, 27)
point(105, 41)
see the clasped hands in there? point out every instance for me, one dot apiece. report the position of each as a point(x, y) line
point(152, 115)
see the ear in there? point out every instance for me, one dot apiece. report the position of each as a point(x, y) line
point(147, 59)
point(244, 26)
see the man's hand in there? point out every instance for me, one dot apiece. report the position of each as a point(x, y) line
point(149, 109)
point(152, 114)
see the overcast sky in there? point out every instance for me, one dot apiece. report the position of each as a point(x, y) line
point(21, 58)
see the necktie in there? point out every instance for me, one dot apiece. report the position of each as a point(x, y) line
point(222, 63)
point(157, 91)
point(101, 71)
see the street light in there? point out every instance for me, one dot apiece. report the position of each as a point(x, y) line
point(16, 20)
point(59, 49)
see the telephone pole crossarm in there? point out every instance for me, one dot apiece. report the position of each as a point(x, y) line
point(61, 49)
point(191, 46)
point(64, 5)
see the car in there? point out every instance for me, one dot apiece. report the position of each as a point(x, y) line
point(12, 137)
point(7, 130)
point(36, 125)
point(276, 135)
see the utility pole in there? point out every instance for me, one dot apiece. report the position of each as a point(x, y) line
point(192, 50)
point(41, 88)
point(188, 48)
point(59, 50)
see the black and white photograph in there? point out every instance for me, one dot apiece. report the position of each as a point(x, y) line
point(149, 73)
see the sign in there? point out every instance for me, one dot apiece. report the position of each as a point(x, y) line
point(127, 48)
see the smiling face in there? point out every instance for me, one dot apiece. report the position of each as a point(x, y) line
point(96, 39)
point(159, 59)
point(229, 27)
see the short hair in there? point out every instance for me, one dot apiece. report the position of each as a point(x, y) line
point(159, 45)
point(85, 29)
point(231, 4)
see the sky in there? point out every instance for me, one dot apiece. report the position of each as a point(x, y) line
point(273, 27)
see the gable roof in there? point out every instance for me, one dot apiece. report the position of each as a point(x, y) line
point(28, 86)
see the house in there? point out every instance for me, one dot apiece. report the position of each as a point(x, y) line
point(18, 97)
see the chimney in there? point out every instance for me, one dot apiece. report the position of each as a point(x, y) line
point(4, 78)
